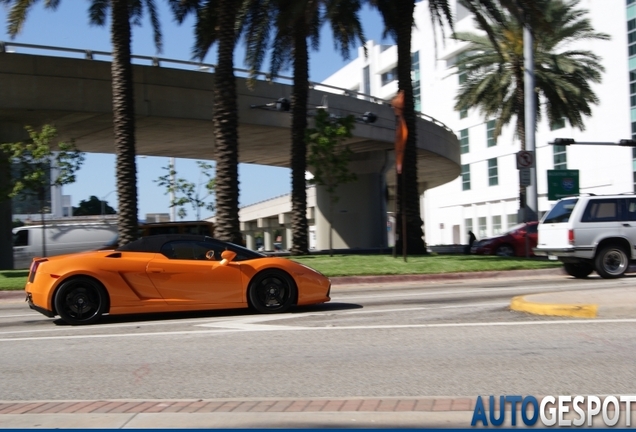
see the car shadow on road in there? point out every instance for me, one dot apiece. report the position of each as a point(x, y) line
point(217, 313)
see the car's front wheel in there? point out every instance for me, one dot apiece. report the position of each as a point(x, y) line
point(272, 291)
point(81, 301)
point(578, 270)
point(611, 262)
point(505, 250)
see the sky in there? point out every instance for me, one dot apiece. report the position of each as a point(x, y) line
point(68, 27)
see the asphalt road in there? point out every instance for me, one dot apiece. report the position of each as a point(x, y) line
point(409, 339)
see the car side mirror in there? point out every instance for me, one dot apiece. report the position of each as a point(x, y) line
point(227, 256)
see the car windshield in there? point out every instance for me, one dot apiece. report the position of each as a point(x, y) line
point(561, 211)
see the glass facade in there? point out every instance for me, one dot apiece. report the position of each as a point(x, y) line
point(415, 65)
point(490, 133)
point(463, 141)
point(493, 172)
point(465, 177)
point(560, 157)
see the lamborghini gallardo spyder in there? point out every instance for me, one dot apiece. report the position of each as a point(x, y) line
point(169, 273)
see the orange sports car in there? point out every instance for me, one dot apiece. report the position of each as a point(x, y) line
point(169, 273)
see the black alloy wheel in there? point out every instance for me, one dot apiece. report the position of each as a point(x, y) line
point(272, 291)
point(80, 301)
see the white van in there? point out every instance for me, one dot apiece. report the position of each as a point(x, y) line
point(60, 239)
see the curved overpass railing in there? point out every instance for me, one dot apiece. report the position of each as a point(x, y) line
point(5, 47)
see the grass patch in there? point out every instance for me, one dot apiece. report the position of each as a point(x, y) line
point(13, 280)
point(358, 265)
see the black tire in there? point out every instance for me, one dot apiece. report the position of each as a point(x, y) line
point(505, 250)
point(578, 270)
point(81, 301)
point(611, 262)
point(272, 291)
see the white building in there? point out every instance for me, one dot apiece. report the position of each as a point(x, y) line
point(484, 198)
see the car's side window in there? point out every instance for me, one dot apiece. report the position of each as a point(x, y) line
point(21, 238)
point(602, 210)
point(631, 209)
point(189, 250)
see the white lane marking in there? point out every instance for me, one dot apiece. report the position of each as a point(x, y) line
point(15, 316)
point(249, 327)
point(421, 308)
point(455, 291)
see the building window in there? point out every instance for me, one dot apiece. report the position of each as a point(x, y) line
point(560, 157)
point(462, 75)
point(463, 141)
point(415, 65)
point(465, 177)
point(468, 225)
point(389, 77)
point(631, 37)
point(490, 133)
point(512, 220)
point(496, 225)
point(557, 124)
point(464, 113)
point(483, 228)
point(366, 80)
point(493, 175)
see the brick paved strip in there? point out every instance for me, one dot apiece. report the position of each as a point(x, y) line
point(190, 408)
point(424, 405)
point(108, 407)
point(332, 406)
point(279, 406)
point(245, 406)
point(463, 405)
point(387, 405)
point(227, 406)
point(75, 406)
point(21, 408)
point(142, 407)
point(351, 405)
point(297, 406)
point(369, 405)
point(91, 407)
point(405, 405)
point(160, 407)
point(125, 407)
point(8, 407)
point(58, 408)
point(262, 406)
point(315, 405)
point(43, 407)
point(175, 407)
point(210, 407)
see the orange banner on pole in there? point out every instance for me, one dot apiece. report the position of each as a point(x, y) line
point(401, 131)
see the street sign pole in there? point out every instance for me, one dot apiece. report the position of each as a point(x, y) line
point(532, 202)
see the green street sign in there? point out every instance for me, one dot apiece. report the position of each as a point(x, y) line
point(562, 183)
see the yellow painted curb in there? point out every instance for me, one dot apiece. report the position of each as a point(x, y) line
point(520, 304)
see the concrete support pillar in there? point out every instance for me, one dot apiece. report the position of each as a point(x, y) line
point(359, 217)
point(268, 239)
point(250, 242)
point(287, 242)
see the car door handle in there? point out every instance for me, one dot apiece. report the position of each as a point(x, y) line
point(156, 270)
point(626, 225)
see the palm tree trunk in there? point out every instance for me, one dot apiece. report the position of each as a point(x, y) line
point(521, 127)
point(407, 191)
point(124, 123)
point(226, 129)
point(298, 147)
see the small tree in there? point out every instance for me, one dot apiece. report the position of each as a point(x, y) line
point(33, 160)
point(189, 193)
point(329, 158)
point(93, 206)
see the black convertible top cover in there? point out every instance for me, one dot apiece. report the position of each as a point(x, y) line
point(153, 243)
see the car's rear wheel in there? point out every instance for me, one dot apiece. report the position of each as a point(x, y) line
point(505, 250)
point(578, 270)
point(81, 301)
point(272, 291)
point(611, 262)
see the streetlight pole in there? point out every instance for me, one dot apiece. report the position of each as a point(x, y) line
point(531, 209)
point(173, 172)
point(104, 202)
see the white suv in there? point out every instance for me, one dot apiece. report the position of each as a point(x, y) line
point(591, 232)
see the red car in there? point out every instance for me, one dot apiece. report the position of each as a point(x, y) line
point(512, 243)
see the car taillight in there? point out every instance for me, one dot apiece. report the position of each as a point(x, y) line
point(34, 268)
point(571, 236)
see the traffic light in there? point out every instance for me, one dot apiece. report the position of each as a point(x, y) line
point(563, 141)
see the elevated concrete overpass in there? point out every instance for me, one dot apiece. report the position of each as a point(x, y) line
point(174, 108)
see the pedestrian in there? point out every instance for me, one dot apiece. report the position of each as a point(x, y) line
point(471, 240)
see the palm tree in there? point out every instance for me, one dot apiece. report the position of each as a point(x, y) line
point(295, 24)
point(494, 68)
point(399, 21)
point(216, 22)
point(123, 13)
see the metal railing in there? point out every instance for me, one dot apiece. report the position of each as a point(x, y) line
point(205, 67)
